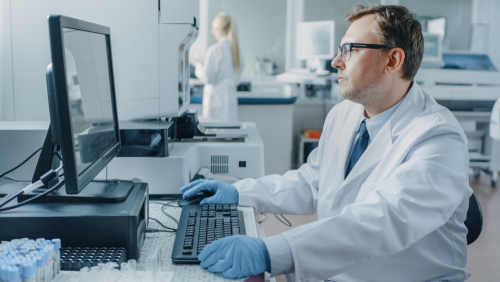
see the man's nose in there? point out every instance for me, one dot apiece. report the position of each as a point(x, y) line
point(338, 62)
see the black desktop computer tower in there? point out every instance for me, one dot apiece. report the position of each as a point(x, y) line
point(119, 224)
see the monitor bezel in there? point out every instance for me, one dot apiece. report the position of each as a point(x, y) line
point(75, 182)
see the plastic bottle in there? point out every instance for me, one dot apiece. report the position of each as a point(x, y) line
point(29, 271)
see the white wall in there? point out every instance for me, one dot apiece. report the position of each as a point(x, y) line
point(261, 28)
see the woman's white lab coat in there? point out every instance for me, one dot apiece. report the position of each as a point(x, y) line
point(219, 95)
point(399, 214)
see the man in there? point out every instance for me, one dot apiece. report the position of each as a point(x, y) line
point(389, 179)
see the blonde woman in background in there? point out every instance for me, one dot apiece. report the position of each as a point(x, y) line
point(221, 72)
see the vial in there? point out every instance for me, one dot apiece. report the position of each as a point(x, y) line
point(29, 271)
point(57, 256)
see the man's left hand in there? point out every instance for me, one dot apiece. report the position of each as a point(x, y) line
point(236, 257)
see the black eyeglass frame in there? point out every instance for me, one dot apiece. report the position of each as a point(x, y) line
point(359, 45)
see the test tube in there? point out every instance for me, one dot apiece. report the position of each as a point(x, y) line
point(49, 249)
point(57, 260)
point(29, 271)
point(13, 274)
point(3, 272)
point(40, 271)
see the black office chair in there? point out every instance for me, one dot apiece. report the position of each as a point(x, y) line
point(474, 221)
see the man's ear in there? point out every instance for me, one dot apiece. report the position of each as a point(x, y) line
point(396, 58)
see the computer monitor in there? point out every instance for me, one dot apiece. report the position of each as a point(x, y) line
point(315, 40)
point(433, 53)
point(82, 102)
point(315, 43)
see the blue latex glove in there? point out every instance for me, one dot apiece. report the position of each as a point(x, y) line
point(236, 257)
point(223, 193)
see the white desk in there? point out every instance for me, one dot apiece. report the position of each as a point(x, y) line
point(153, 241)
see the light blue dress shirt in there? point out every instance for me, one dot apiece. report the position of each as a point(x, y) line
point(279, 250)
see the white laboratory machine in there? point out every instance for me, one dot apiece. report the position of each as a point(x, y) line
point(151, 41)
point(468, 85)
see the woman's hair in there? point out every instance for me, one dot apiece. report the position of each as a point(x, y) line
point(227, 24)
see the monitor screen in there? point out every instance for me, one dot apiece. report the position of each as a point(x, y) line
point(84, 121)
point(315, 40)
point(431, 45)
point(89, 94)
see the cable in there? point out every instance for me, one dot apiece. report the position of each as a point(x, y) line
point(43, 181)
point(165, 213)
point(150, 230)
point(288, 222)
point(52, 189)
point(262, 221)
point(3, 174)
point(170, 229)
point(8, 177)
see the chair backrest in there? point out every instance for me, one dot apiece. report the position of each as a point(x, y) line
point(474, 221)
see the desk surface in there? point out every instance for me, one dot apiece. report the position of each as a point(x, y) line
point(182, 272)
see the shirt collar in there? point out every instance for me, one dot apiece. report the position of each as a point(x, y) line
point(375, 124)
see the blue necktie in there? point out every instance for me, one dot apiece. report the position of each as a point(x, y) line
point(359, 147)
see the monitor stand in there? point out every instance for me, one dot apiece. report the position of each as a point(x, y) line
point(101, 191)
point(97, 191)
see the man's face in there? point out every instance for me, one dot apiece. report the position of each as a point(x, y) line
point(360, 78)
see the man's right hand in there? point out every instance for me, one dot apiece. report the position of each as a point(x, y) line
point(223, 193)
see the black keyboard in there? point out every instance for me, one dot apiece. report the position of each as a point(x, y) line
point(200, 225)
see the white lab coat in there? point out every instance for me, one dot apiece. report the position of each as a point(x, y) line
point(220, 102)
point(399, 214)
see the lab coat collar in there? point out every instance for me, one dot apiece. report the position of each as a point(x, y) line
point(411, 105)
point(222, 39)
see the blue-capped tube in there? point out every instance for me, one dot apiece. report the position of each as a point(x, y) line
point(40, 271)
point(13, 274)
point(29, 271)
point(3, 272)
point(48, 263)
point(57, 260)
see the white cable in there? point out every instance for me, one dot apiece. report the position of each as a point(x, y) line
point(32, 186)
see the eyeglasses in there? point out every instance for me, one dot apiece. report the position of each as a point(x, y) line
point(346, 48)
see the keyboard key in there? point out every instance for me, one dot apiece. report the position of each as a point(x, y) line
point(236, 231)
point(211, 207)
point(204, 207)
point(218, 207)
point(225, 207)
point(232, 207)
point(187, 253)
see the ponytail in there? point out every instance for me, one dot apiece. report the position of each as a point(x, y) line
point(234, 46)
point(223, 21)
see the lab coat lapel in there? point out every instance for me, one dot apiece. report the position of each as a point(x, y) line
point(346, 137)
point(411, 106)
point(370, 158)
